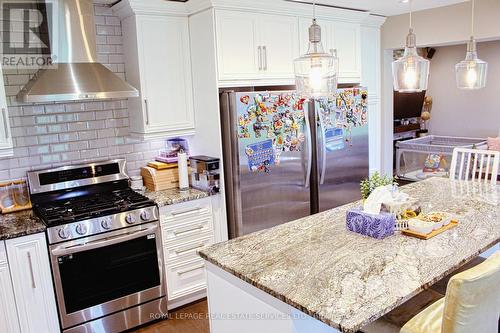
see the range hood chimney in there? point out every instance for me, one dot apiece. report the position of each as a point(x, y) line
point(78, 75)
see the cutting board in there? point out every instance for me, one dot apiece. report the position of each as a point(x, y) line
point(162, 166)
point(436, 232)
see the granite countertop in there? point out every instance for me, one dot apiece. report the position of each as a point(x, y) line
point(24, 223)
point(175, 196)
point(19, 224)
point(347, 280)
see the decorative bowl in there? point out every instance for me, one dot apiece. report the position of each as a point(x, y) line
point(422, 227)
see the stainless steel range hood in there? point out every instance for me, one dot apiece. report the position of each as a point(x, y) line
point(78, 75)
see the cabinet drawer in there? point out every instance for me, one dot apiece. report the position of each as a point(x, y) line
point(185, 278)
point(184, 221)
point(171, 215)
point(186, 250)
point(188, 229)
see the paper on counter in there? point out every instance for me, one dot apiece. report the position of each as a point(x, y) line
point(183, 171)
point(374, 202)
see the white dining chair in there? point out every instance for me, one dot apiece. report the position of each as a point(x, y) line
point(471, 304)
point(475, 165)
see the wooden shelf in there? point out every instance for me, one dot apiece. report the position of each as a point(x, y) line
point(406, 128)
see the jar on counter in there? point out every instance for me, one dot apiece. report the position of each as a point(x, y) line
point(6, 199)
point(20, 193)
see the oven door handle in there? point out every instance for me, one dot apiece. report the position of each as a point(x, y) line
point(63, 250)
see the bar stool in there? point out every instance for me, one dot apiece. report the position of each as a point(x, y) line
point(471, 304)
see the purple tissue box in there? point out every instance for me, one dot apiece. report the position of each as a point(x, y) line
point(374, 225)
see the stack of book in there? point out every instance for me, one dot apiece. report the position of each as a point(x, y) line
point(159, 176)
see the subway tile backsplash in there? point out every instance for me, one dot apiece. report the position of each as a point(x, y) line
point(55, 134)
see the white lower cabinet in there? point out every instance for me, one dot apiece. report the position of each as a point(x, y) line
point(32, 284)
point(186, 228)
point(185, 278)
point(8, 313)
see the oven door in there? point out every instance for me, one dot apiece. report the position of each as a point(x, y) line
point(102, 274)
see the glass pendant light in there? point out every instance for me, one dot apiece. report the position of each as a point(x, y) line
point(316, 72)
point(471, 72)
point(411, 71)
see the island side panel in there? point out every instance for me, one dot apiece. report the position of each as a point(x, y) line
point(237, 306)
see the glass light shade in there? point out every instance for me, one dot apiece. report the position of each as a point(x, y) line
point(471, 73)
point(316, 72)
point(411, 71)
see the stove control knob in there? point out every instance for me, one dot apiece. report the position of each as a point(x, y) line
point(64, 233)
point(107, 223)
point(81, 229)
point(145, 215)
point(130, 218)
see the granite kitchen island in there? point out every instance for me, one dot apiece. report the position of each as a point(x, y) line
point(313, 275)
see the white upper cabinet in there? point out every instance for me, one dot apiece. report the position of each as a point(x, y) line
point(5, 134)
point(346, 39)
point(34, 294)
point(253, 47)
point(280, 45)
point(342, 37)
point(158, 63)
point(238, 46)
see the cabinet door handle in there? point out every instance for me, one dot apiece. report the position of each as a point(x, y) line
point(5, 122)
point(147, 111)
point(186, 211)
point(33, 284)
point(260, 57)
point(197, 246)
point(333, 52)
point(264, 49)
point(177, 232)
point(190, 269)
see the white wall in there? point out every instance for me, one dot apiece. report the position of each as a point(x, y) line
point(461, 112)
point(448, 25)
point(444, 25)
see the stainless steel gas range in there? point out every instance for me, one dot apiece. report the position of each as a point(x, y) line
point(104, 246)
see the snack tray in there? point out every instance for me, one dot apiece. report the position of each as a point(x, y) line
point(436, 232)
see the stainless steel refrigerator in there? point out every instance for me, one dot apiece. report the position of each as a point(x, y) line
point(285, 157)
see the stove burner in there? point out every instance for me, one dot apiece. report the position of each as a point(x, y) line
point(91, 206)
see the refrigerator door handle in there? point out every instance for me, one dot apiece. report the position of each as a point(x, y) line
point(323, 148)
point(309, 151)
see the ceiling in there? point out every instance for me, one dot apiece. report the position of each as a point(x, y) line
point(386, 7)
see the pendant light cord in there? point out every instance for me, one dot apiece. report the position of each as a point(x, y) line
point(314, 10)
point(472, 18)
point(411, 10)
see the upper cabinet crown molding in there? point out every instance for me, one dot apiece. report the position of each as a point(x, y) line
point(375, 21)
point(124, 9)
point(279, 7)
point(162, 7)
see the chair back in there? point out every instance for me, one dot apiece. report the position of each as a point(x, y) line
point(475, 165)
point(472, 301)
